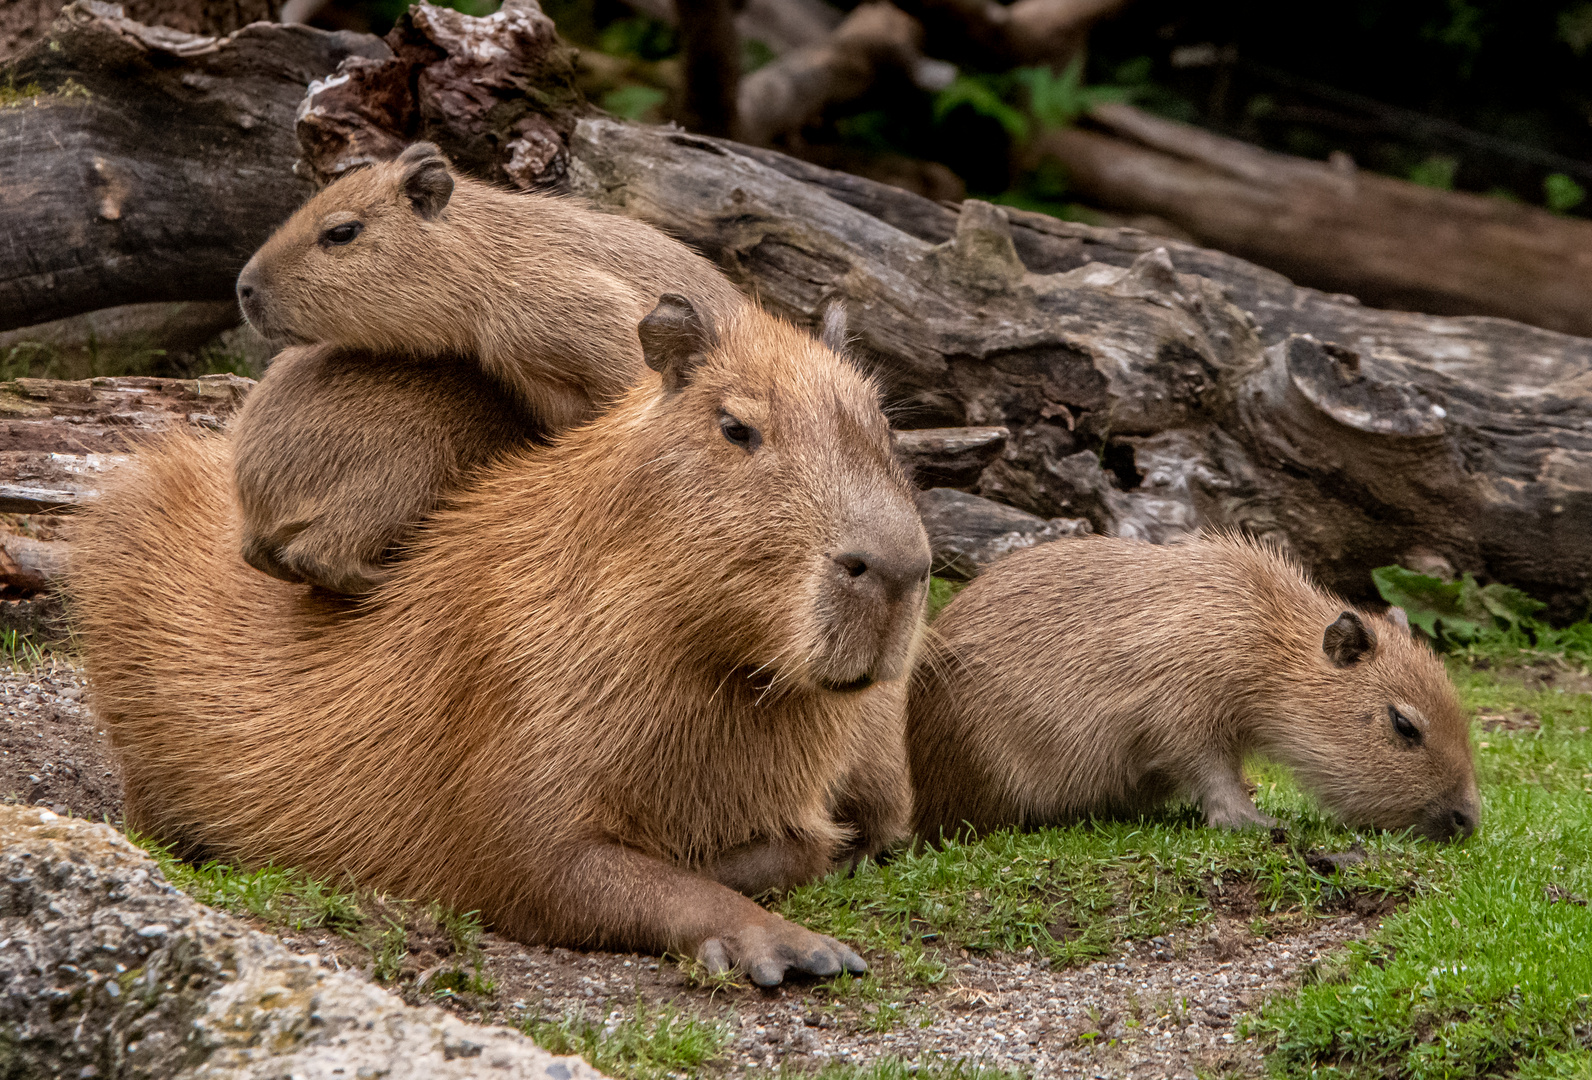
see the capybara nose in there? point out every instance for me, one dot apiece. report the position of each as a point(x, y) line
point(246, 283)
point(894, 573)
point(1464, 824)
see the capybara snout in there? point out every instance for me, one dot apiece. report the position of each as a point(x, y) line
point(873, 589)
point(811, 484)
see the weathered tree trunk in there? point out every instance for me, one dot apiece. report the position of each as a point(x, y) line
point(148, 164)
point(1150, 387)
point(1386, 241)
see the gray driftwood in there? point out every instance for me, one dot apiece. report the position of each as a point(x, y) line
point(148, 163)
point(1151, 387)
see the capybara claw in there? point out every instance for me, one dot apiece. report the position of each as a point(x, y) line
point(714, 956)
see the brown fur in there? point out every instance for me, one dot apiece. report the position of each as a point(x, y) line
point(338, 454)
point(610, 671)
point(1103, 676)
point(543, 293)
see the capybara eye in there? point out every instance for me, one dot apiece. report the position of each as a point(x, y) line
point(745, 436)
point(1404, 725)
point(342, 234)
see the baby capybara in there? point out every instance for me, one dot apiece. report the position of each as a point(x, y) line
point(1105, 676)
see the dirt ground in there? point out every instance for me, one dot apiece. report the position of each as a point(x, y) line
point(1168, 1007)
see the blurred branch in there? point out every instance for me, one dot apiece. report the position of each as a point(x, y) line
point(998, 36)
point(712, 53)
point(1326, 224)
point(795, 89)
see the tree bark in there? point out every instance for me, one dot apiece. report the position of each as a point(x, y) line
point(148, 164)
point(1143, 397)
point(1388, 242)
point(1150, 387)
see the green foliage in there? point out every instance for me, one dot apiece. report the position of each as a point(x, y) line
point(640, 38)
point(1491, 970)
point(941, 590)
point(633, 101)
point(288, 898)
point(1074, 894)
point(1026, 101)
point(1575, 28)
point(1459, 612)
point(1561, 193)
point(1437, 171)
point(654, 1042)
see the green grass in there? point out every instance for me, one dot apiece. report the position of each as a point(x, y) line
point(654, 1042)
point(1074, 894)
point(1491, 974)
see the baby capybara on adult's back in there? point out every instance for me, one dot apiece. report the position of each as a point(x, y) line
point(440, 322)
point(1104, 676)
point(619, 675)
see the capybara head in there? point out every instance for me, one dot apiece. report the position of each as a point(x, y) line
point(1407, 763)
point(784, 479)
point(356, 250)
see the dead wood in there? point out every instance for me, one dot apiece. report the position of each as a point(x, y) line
point(58, 439)
point(1331, 226)
point(1142, 397)
point(1153, 388)
point(995, 36)
point(794, 90)
point(147, 164)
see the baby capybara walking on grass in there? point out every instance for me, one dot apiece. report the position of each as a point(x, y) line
point(665, 654)
point(1104, 676)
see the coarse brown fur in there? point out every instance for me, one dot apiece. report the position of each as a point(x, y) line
point(1104, 676)
point(543, 293)
point(614, 669)
point(338, 455)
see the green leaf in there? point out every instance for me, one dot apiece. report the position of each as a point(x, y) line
point(977, 93)
point(1439, 608)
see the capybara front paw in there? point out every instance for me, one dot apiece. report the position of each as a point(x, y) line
point(765, 953)
point(1240, 817)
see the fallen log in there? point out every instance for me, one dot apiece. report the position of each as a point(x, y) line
point(997, 36)
point(1389, 242)
point(1152, 388)
point(141, 163)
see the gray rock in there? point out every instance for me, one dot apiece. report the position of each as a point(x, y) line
point(968, 533)
point(106, 970)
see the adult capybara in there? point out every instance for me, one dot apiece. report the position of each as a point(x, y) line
point(404, 261)
point(1104, 676)
point(665, 653)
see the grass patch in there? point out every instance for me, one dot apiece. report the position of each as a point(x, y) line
point(425, 946)
point(1074, 894)
point(654, 1042)
point(1492, 973)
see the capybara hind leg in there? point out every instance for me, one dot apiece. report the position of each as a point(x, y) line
point(771, 866)
point(317, 558)
point(1226, 802)
point(609, 896)
point(875, 804)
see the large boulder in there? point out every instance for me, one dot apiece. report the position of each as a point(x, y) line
point(107, 970)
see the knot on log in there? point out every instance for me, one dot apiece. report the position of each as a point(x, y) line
point(1331, 378)
point(496, 93)
point(981, 255)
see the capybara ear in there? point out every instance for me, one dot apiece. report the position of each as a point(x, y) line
point(1400, 619)
point(426, 180)
point(833, 332)
point(674, 340)
point(1348, 640)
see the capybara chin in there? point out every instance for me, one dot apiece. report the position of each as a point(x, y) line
point(614, 674)
point(395, 279)
point(1105, 676)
